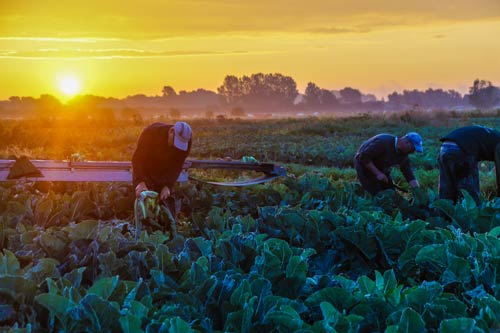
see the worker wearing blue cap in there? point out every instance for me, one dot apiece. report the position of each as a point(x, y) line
point(377, 155)
point(460, 152)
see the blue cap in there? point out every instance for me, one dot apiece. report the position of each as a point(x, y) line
point(416, 140)
point(182, 135)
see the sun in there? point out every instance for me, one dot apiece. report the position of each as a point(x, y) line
point(69, 85)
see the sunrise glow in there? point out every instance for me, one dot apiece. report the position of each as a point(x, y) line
point(69, 85)
point(139, 47)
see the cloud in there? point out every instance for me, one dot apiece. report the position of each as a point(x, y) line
point(54, 53)
point(375, 22)
point(58, 39)
point(338, 30)
point(6, 53)
point(153, 19)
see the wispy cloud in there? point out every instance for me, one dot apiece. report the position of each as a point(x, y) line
point(59, 39)
point(368, 23)
point(6, 53)
point(338, 30)
point(53, 53)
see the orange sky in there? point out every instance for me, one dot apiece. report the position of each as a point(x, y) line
point(117, 48)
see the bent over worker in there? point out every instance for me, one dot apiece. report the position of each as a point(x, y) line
point(377, 155)
point(460, 152)
point(159, 157)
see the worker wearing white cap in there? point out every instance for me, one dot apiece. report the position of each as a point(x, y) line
point(159, 157)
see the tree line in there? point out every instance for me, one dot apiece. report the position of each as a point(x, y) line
point(259, 91)
point(279, 90)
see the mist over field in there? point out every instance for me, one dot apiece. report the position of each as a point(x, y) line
point(257, 96)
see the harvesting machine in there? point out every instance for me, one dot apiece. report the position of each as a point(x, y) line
point(111, 171)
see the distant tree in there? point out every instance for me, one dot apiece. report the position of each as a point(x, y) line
point(350, 95)
point(442, 98)
point(14, 99)
point(312, 95)
point(394, 98)
point(259, 89)
point(231, 89)
point(317, 97)
point(430, 98)
point(483, 94)
point(368, 98)
point(84, 106)
point(196, 98)
point(413, 97)
point(168, 91)
point(23, 103)
point(328, 98)
point(48, 105)
point(279, 89)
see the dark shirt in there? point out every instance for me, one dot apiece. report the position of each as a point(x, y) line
point(154, 161)
point(478, 141)
point(381, 150)
point(481, 142)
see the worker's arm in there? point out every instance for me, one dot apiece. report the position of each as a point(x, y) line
point(141, 187)
point(367, 153)
point(407, 171)
point(379, 174)
point(140, 160)
point(165, 193)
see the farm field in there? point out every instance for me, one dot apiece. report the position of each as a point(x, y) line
point(311, 252)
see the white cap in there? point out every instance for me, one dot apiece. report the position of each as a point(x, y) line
point(182, 135)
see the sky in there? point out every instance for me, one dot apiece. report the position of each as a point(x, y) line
point(118, 48)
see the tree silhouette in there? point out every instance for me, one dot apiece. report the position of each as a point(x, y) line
point(49, 105)
point(168, 91)
point(259, 90)
point(231, 89)
point(350, 95)
point(312, 95)
point(328, 98)
point(428, 98)
point(483, 94)
point(318, 97)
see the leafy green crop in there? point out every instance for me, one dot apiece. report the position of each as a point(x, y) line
point(308, 253)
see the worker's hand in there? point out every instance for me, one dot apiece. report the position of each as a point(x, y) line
point(165, 193)
point(414, 183)
point(140, 188)
point(381, 177)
